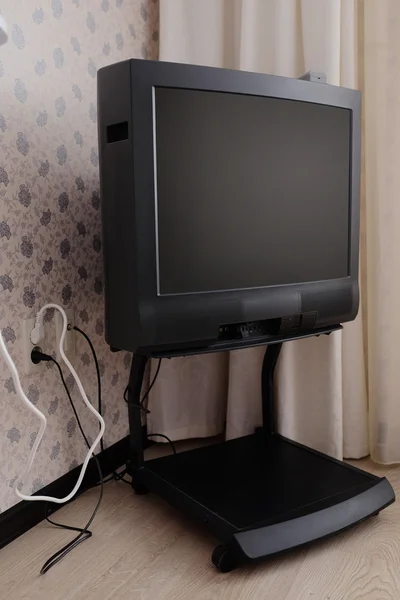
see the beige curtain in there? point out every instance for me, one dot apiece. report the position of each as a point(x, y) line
point(322, 382)
point(382, 160)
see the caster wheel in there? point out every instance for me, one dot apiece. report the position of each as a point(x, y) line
point(139, 489)
point(223, 559)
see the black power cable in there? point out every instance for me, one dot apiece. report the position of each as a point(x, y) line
point(171, 443)
point(146, 395)
point(83, 533)
point(146, 410)
point(99, 394)
point(115, 475)
point(120, 476)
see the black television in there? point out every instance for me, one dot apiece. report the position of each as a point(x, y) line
point(230, 206)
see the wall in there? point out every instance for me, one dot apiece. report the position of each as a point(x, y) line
point(50, 244)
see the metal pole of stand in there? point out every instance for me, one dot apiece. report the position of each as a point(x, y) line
point(267, 388)
point(136, 375)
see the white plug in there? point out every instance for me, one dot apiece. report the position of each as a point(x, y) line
point(37, 333)
point(3, 31)
point(27, 326)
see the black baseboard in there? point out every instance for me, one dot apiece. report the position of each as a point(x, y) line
point(23, 516)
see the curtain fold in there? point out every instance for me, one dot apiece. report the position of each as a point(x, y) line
point(382, 156)
point(322, 396)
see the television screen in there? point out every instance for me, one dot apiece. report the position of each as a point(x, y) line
point(251, 191)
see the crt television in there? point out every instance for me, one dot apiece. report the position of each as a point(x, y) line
point(230, 206)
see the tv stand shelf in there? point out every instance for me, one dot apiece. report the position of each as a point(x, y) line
point(260, 494)
point(265, 496)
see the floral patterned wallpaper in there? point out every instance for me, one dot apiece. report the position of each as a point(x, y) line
point(50, 242)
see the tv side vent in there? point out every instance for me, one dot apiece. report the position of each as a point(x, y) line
point(117, 132)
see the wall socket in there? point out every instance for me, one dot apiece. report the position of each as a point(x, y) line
point(69, 344)
point(29, 367)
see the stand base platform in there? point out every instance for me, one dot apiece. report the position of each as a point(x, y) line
point(262, 495)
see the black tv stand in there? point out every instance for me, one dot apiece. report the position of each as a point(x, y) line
point(261, 494)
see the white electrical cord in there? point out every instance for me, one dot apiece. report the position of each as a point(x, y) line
point(36, 335)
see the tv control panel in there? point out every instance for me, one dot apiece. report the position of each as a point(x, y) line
point(259, 329)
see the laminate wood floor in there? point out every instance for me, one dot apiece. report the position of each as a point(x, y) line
point(143, 550)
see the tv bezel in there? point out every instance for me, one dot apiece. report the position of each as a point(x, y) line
point(163, 320)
